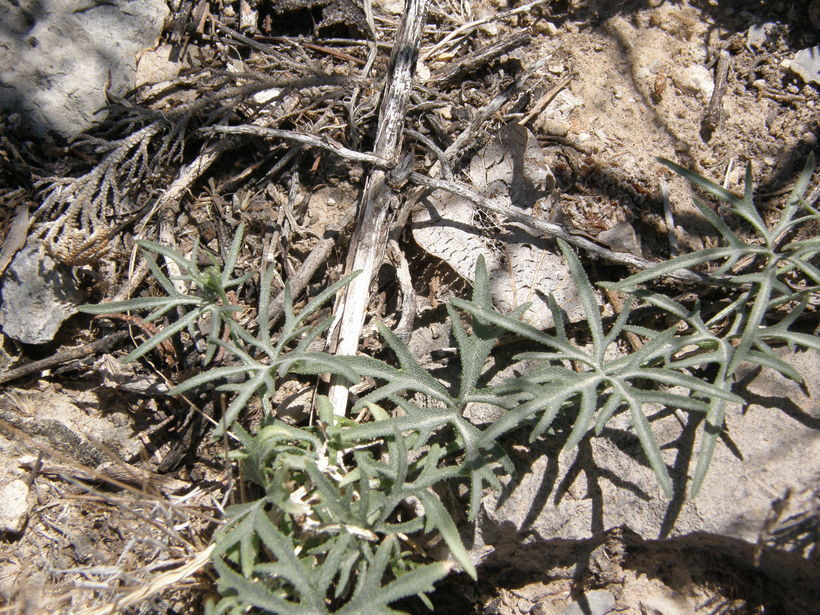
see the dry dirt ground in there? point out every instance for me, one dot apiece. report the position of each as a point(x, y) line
point(122, 486)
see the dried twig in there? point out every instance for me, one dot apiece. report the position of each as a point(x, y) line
point(466, 136)
point(105, 344)
point(408, 295)
point(16, 237)
point(669, 219)
point(491, 108)
point(469, 27)
point(378, 202)
point(555, 230)
point(317, 257)
point(451, 74)
point(546, 99)
point(298, 137)
point(711, 119)
point(156, 585)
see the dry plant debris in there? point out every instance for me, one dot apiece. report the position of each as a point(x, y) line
point(333, 130)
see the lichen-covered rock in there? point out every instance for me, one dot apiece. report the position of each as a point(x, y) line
point(38, 295)
point(60, 57)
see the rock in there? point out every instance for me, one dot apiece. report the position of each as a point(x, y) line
point(60, 56)
point(13, 506)
point(621, 238)
point(560, 108)
point(758, 34)
point(661, 604)
point(547, 27)
point(156, 66)
point(393, 7)
point(806, 64)
point(595, 602)
point(522, 268)
point(695, 79)
point(60, 422)
point(38, 295)
point(551, 127)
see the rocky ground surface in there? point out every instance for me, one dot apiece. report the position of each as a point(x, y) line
point(110, 490)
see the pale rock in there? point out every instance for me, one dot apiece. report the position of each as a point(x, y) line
point(60, 57)
point(266, 96)
point(757, 34)
point(666, 603)
point(551, 127)
point(696, 79)
point(621, 238)
point(422, 72)
point(393, 7)
point(576, 495)
point(155, 66)
point(560, 108)
point(511, 169)
point(13, 506)
point(547, 27)
point(595, 602)
point(38, 295)
point(806, 64)
point(247, 17)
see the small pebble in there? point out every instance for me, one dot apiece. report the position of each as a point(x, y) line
point(13, 506)
point(552, 127)
point(547, 27)
point(757, 35)
point(696, 79)
point(422, 72)
point(806, 64)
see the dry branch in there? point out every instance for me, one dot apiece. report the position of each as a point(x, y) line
point(317, 257)
point(305, 139)
point(157, 584)
point(481, 57)
point(378, 203)
point(105, 344)
point(469, 27)
point(555, 230)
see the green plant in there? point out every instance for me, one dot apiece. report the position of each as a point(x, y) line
point(343, 511)
point(773, 281)
point(209, 297)
point(323, 536)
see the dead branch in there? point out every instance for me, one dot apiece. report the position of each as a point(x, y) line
point(306, 139)
point(466, 136)
point(481, 57)
point(106, 344)
point(469, 27)
point(555, 230)
point(317, 257)
point(160, 582)
point(378, 203)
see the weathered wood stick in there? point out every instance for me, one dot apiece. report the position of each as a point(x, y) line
point(479, 58)
point(378, 202)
